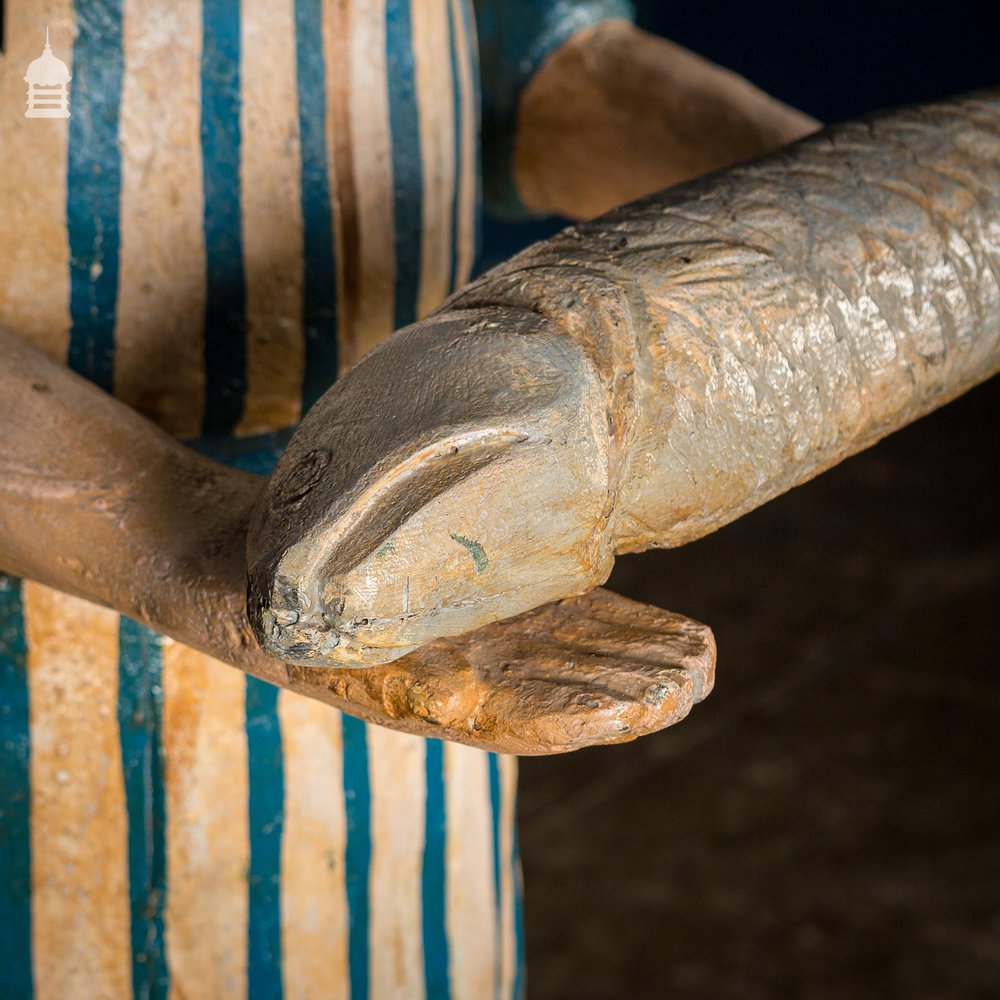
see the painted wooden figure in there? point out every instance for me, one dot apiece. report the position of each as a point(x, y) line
point(246, 199)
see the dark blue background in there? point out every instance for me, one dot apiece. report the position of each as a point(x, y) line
point(840, 59)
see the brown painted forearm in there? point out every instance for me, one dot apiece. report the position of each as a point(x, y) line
point(96, 501)
point(617, 113)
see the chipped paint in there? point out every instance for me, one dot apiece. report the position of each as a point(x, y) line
point(479, 556)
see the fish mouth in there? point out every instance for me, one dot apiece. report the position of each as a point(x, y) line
point(317, 607)
point(457, 536)
point(316, 642)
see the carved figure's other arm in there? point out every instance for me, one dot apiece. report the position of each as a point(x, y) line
point(96, 501)
point(616, 113)
point(583, 111)
point(638, 381)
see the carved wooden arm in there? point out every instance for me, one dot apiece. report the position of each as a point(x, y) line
point(637, 381)
point(616, 113)
point(96, 501)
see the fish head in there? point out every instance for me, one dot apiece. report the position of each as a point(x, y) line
point(456, 476)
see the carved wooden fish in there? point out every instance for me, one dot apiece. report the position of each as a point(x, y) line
point(637, 381)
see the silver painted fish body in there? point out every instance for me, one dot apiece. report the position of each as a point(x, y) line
point(637, 381)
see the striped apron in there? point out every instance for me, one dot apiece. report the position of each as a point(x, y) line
point(249, 194)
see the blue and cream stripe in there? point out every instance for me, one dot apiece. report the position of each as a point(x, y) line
point(15, 793)
point(249, 194)
point(144, 877)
